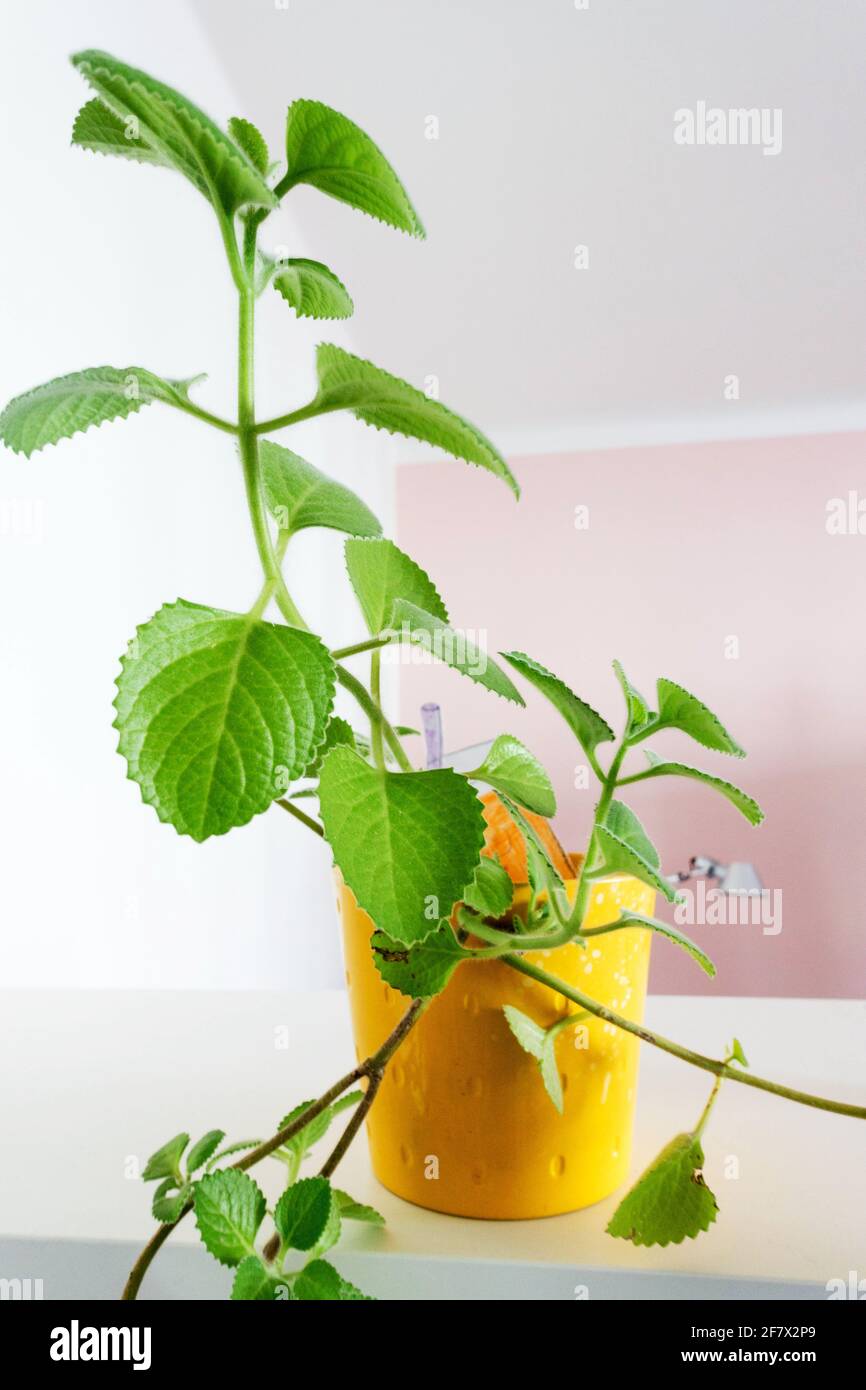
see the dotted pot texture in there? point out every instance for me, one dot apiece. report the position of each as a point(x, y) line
point(463, 1123)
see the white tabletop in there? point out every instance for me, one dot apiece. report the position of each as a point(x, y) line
point(94, 1078)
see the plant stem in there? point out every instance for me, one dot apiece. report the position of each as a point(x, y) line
point(695, 1059)
point(372, 1068)
point(373, 713)
point(376, 745)
point(227, 426)
point(368, 645)
point(300, 815)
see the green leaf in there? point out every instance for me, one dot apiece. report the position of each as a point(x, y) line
point(71, 404)
point(540, 1044)
point(339, 731)
point(178, 131)
point(312, 290)
point(456, 648)
point(168, 1205)
point(550, 1071)
point(381, 573)
point(251, 141)
point(319, 1125)
point(319, 1281)
point(328, 151)
point(302, 1212)
point(422, 970)
point(204, 1149)
point(254, 1283)
point(618, 857)
point(165, 1163)
point(637, 919)
point(299, 496)
point(670, 1201)
point(97, 128)
point(491, 891)
point(509, 767)
point(218, 712)
point(351, 1210)
point(636, 706)
point(536, 850)
point(406, 842)
point(737, 1053)
point(588, 727)
point(229, 1149)
point(622, 820)
point(384, 401)
point(229, 1209)
point(680, 710)
point(744, 803)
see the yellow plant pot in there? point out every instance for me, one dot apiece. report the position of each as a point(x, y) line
point(463, 1123)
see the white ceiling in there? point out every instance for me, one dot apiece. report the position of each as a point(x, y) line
point(556, 128)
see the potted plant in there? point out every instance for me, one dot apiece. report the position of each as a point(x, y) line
point(478, 950)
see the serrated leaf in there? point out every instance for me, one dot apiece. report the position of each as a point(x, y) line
point(165, 1163)
point(328, 151)
point(618, 857)
point(299, 496)
point(204, 1149)
point(251, 141)
point(509, 767)
point(550, 1071)
point(97, 128)
point(229, 1209)
point(381, 573)
point(673, 934)
point(405, 842)
point(587, 726)
point(491, 891)
point(744, 803)
point(237, 1147)
point(71, 404)
point(167, 1204)
point(319, 1281)
point(636, 706)
point(177, 130)
point(253, 1282)
point(339, 731)
point(351, 1210)
point(217, 712)
point(540, 1043)
point(670, 1201)
point(535, 847)
point(347, 382)
point(622, 820)
point(320, 1124)
point(528, 1033)
point(456, 648)
point(302, 1212)
point(422, 970)
point(312, 290)
point(680, 710)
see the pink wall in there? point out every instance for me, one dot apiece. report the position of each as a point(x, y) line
point(687, 546)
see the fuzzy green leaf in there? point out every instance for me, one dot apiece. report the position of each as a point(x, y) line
point(381, 573)
point(545, 875)
point(217, 712)
point(666, 929)
point(384, 401)
point(550, 1071)
point(312, 290)
point(229, 1209)
point(338, 731)
point(204, 1149)
point(670, 1201)
point(71, 404)
point(302, 1212)
point(237, 1147)
point(97, 128)
point(178, 131)
point(680, 710)
point(455, 647)
point(744, 803)
point(328, 151)
point(587, 726)
point(299, 496)
point(165, 1163)
point(540, 1044)
point(320, 1124)
point(254, 1283)
point(418, 971)
point(351, 1210)
point(251, 141)
point(509, 767)
point(406, 842)
point(168, 1203)
point(618, 857)
point(636, 706)
point(319, 1281)
point(622, 820)
point(491, 891)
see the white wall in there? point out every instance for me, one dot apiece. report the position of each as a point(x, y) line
point(104, 262)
